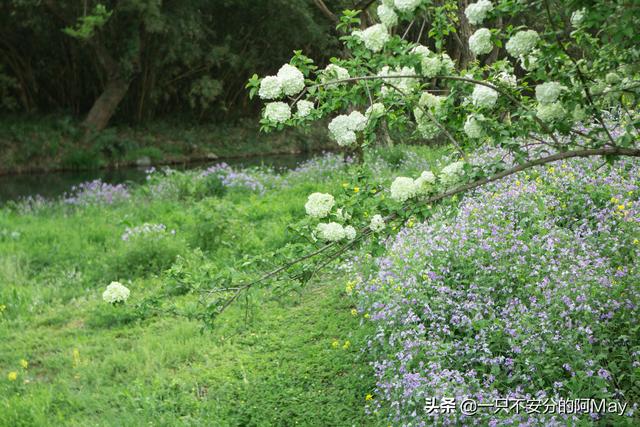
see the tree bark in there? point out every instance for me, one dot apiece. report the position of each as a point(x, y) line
point(106, 105)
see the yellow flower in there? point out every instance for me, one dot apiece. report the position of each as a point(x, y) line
point(614, 200)
point(410, 223)
point(345, 185)
point(635, 241)
point(24, 364)
point(518, 183)
point(356, 189)
point(12, 376)
point(354, 312)
point(335, 343)
point(346, 345)
point(551, 170)
point(366, 315)
point(368, 397)
point(620, 207)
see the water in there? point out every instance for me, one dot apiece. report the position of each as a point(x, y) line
point(54, 184)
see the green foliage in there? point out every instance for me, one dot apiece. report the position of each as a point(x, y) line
point(88, 24)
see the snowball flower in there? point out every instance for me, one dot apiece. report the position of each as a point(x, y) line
point(270, 88)
point(403, 84)
point(403, 188)
point(421, 50)
point(350, 232)
point(374, 37)
point(377, 223)
point(387, 16)
point(484, 96)
point(376, 110)
point(291, 79)
point(334, 72)
point(577, 17)
point(477, 12)
point(473, 127)
point(424, 182)
point(480, 42)
point(331, 231)
point(304, 108)
point(406, 5)
point(507, 79)
point(546, 93)
point(319, 205)
point(431, 66)
point(550, 112)
point(451, 173)
point(116, 292)
point(343, 128)
point(278, 112)
point(522, 42)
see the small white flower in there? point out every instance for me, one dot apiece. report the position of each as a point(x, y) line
point(547, 93)
point(407, 6)
point(374, 37)
point(343, 128)
point(319, 205)
point(522, 43)
point(484, 96)
point(350, 232)
point(480, 42)
point(577, 17)
point(116, 292)
point(387, 16)
point(403, 188)
point(477, 12)
point(291, 79)
point(270, 88)
point(377, 223)
point(550, 112)
point(473, 127)
point(278, 112)
point(332, 231)
point(452, 173)
point(304, 108)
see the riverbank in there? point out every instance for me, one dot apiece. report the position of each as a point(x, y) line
point(53, 144)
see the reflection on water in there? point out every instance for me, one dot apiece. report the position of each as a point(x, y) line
point(54, 184)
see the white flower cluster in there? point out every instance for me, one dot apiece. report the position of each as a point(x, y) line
point(407, 6)
point(387, 16)
point(375, 111)
point(427, 128)
point(334, 232)
point(477, 12)
point(522, 43)
point(304, 108)
point(404, 188)
point(289, 81)
point(452, 173)
point(344, 127)
point(546, 93)
point(116, 292)
point(484, 97)
point(374, 37)
point(473, 126)
point(146, 228)
point(550, 112)
point(405, 84)
point(278, 112)
point(333, 72)
point(577, 17)
point(507, 79)
point(319, 205)
point(377, 223)
point(433, 64)
point(549, 109)
point(480, 42)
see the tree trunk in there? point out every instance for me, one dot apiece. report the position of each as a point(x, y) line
point(105, 106)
